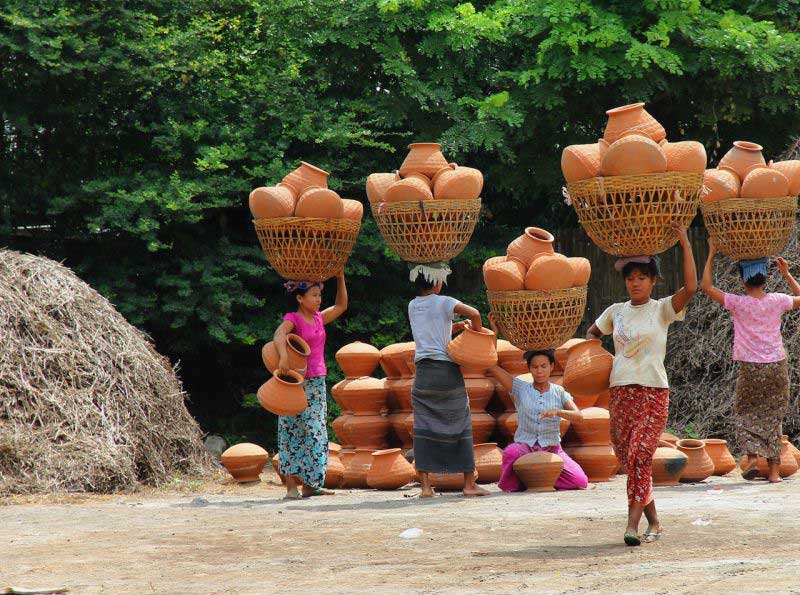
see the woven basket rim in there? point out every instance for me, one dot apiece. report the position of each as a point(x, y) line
point(668, 178)
point(533, 295)
point(433, 204)
point(282, 221)
point(736, 204)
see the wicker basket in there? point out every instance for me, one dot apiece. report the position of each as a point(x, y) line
point(429, 230)
point(745, 228)
point(632, 215)
point(538, 319)
point(307, 248)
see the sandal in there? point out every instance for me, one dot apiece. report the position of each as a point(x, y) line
point(319, 492)
point(632, 539)
point(651, 536)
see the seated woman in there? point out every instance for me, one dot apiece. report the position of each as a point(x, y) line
point(540, 405)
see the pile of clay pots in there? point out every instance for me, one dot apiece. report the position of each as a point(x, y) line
point(743, 173)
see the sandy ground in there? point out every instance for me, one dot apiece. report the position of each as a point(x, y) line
point(214, 537)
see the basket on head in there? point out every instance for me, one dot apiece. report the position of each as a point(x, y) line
point(538, 319)
point(633, 215)
point(747, 228)
point(427, 231)
point(307, 248)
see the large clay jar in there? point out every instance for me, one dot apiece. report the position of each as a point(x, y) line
point(488, 462)
point(788, 464)
point(668, 466)
point(474, 349)
point(403, 358)
point(305, 176)
point(790, 169)
point(534, 241)
point(563, 426)
point(723, 461)
point(297, 350)
point(720, 184)
point(686, 156)
point(276, 465)
point(389, 470)
point(603, 399)
point(503, 398)
point(447, 482)
point(401, 390)
point(550, 272)
point(270, 202)
point(423, 158)
point(339, 425)
point(364, 396)
point(633, 154)
point(368, 431)
point(581, 270)
point(479, 393)
point(588, 368)
point(358, 359)
point(504, 274)
point(763, 182)
point(245, 461)
point(387, 362)
point(793, 450)
point(357, 468)
point(508, 425)
point(699, 466)
point(581, 162)
point(511, 358)
point(594, 428)
point(461, 183)
point(598, 462)
point(283, 394)
point(538, 471)
point(401, 430)
point(378, 184)
point(742, 157)
point(632, 117)
point(562, 353)
point(409, 189)
point(584, 401)
point(482, 427)
point(319, 202)
point(334, 474)
point(352, 209)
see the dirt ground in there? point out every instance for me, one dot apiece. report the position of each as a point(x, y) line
point(724, 535)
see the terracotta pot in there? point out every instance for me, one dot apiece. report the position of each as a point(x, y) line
point(403, 358)
point(788, 463)
point(511, 358)
point(352, 209)
point(474, 349)
point(488, 462)
point(598, 462)
point(508, 425)
point(562, 353)
point(686, 156)
point(423, 178)
point(400, 428)
point(387, 362)
point(742, 156)
point(482, 427)
point(358, 359)
point(276, 465)
point(334, 474)
point(447, 482)
point(409, 189)
point(297, 350)
point(720, 184)
point(581, 162)
point(461, 183)
point(503, 398)
point(357, 468)
point(423, 158)
point(368, 431)
point(632, 117)
point(790, 169)
point(671, 438)
point(283, 394)
point(603, 399)
point(378, 184)
point(699, 466)
point(763, 182)
point(668, 466)
point(723, 461)
point(272, 201)
point(563, 426)
point(584, 401)
point(339, 426)
point(363, 396)
point(793, 450)
point(538, 471)
point(534, 241)
point(632, 155)
point(504, 274)
point(550, 272)
point(594, 429)
point(581, 270)
point(401, 390)
point(306, 176)
point(410, 425)
point(441, 172)
point(389, 470)
point(319, 202)
point(245, 461)
point(588, 369)
point(479, 392)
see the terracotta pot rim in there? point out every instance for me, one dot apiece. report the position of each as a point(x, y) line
point(747, 145)
point(426, 144)
point(385, 451)
point(542, 235)
point(624, 108)
point(585, 343)
point(294, 375)
point(691, 443)
point(315, 168)
point(715, 441)
point(665, 444)
point(628, 133)
point(306, 348)
point(484, 444)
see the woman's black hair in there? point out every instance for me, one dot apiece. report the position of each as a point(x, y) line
point(756, 281)
point(422, 284)
point(650, 269)
point(292, 304)
point(549, 353)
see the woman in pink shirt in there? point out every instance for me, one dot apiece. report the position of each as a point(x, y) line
point(762, 389)
point(303, 438)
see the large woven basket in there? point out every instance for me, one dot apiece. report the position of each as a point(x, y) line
point(538, 319)
point(429, 230)
point(632, 215)
point(307, 248)
point(745, 228)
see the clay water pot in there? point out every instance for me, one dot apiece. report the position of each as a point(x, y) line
point(364, 396)
point(378, 184)
point(245, 461)
point(588, 369)
point(511, 358)
point(723, 461)
point(441, 172)
point(686, 156)
point(603, 399)
point(788, 464)
point(368, 431)
point(763, 182)
point(594, 428)
point(319, 202)
point(297, 351)
point(581, 270)
point(670, 438)
point(473, 349)
point(503, 398)
point(389, 470)
point(447, 482)
point(790, 169)
point(720, 184)
point(461, 183)
point(550, 272)
point(387, 362)
point(584, 401)
point(401, 390)
point(633, 154)
point(423, 158)
point(741, 157)
point(352, 209)
point(534, 241)
point(598, 462)
point(482, 427)
point(488, 462)
point(668, 466)
point(581, 162)
point(283, 394)
point(358, 359)
point(339, 425)
point(562, 353)
point(306, 176)
point(334, 474)
point(793, 450)
point(508, 424)
point(538, 471)
point(401, 430)
point(272, 201)
point(632, 117)
point(699, 466)
point(357, 468)
point(504, 274)
point(479, 393)
point(563, 426)
point(409, 189)
point(423, 178)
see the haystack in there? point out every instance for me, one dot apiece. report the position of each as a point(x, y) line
point(86, 402)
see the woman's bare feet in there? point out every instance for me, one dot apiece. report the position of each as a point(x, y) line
point(429, 493)
point(774, 472)
point(427, 490)
point(471, 488)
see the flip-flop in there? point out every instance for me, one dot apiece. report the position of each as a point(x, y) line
point(651, 536)
point(319, 492)
point(632, 539)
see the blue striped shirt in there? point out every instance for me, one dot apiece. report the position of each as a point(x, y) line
point(530, 403)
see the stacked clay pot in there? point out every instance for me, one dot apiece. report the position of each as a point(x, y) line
point(590, 445)
point(795, 452)
point(334, 474)
point(509, 358)
point(668, 464)
point(389, 470)
point(538, 471)
point(303, 193)
point(425, 174)
point(788, 462)
point(488, 462)
point(245, 461)
point(699, 465)
point(743, 173)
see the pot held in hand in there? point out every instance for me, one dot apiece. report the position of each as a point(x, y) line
point(297, 351)
point(474, 350)
point(283, 394)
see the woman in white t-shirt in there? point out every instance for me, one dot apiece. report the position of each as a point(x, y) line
point(639, 388)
